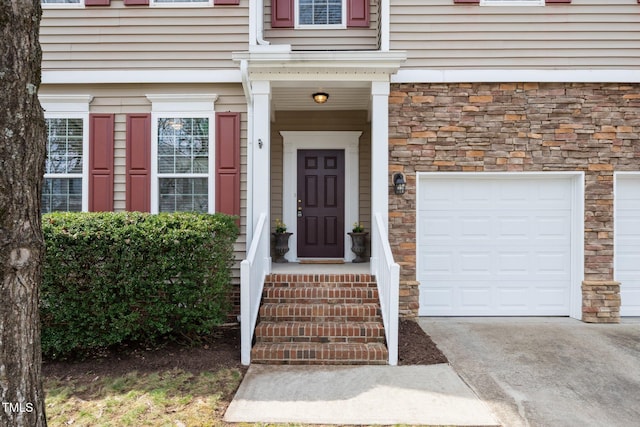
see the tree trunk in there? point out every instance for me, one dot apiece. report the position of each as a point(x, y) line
point(22, 156)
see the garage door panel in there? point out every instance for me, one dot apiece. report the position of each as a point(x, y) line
point(442, 227)
point(509, 263)
point(475, 298)
point(552, 226)
point(630, 303)
point(629, 224)
point(513, 263)
point(513, 298)
point(552, 298)
point(474, 263)
point(494, 246)
point(474, 228)
point(438, 300)
point(554, 263)
point(513, 227)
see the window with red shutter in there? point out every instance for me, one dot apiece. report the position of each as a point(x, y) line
point(182, 156)
point(320, 13)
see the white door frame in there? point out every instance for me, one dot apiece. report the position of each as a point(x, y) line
point(319, 140)
point(577, 221)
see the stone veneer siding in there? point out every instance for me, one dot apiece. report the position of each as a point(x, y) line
point(517, 127)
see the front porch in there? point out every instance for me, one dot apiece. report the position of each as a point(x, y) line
point(320, 167)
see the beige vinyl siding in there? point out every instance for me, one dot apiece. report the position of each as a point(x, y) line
point(123, 99)
point(325, 39)
point(142, 37)
point(319, 121)
point(586, 33)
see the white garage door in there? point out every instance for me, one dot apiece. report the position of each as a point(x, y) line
point(494, 245)
point(627, 242)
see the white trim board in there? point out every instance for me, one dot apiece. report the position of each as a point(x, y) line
point(317, 140)
point(141, 76)
point(577, 220)
point(510, 76)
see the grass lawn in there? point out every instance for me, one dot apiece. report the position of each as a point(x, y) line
point(166, 385)
point(167, 398)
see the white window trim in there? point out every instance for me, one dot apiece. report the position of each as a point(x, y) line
point(183, 106)
point(512, 2)
point(79, 5)
point(72, 107)
point(208, 3)
point(299, 26)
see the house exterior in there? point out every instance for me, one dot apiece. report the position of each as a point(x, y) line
point(515, 125)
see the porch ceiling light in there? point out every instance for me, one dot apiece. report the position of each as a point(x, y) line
point(320, 97)
point(399, 183)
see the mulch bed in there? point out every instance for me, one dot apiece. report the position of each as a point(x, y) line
point(221, 350)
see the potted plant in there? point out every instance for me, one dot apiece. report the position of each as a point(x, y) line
point(281, 237)
point(358, 242)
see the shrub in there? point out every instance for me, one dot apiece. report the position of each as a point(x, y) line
point(116, 277)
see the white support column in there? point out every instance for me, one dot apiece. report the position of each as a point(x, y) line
point(261, 91)
point(380, 154)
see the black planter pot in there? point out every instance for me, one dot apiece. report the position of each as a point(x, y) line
point(359, 245)
point(281, 246)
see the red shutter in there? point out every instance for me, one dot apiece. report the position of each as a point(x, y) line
point(282, 15)
point(138, 162)
point(136, 2)
point(357, 13)
point(226, 2)
point(101, 128)
point(97, 2)
point(228, 163)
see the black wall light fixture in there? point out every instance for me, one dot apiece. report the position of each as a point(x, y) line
point(399, 183)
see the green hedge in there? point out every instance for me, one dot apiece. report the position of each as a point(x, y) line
point(117, 277)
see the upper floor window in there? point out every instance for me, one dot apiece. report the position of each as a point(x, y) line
point(181, 2)
point(512, 2)
point(327, 13)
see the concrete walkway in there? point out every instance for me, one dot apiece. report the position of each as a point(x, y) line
point(426, 395)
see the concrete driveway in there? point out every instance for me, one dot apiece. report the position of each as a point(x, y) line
point(546, 371)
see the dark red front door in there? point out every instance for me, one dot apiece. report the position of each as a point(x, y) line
point(321, 203)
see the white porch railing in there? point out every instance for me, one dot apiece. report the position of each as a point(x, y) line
point(253, 271)
point(387, 273)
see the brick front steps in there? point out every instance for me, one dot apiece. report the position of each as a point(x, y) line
point(320, 319)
